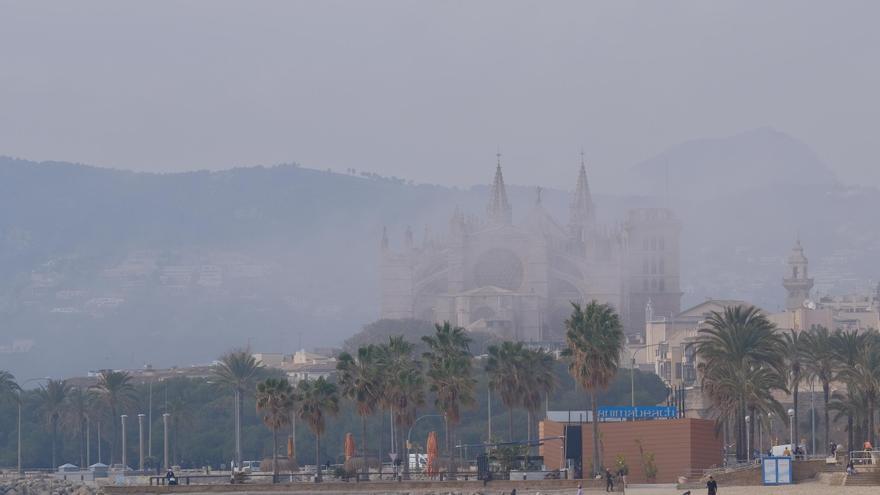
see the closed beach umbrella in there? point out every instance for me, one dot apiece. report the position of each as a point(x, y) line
point(431, 468)
point(350, 447)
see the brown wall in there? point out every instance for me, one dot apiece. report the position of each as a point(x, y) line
point(680, 446)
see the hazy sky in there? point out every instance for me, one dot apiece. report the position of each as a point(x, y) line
point(427, 90)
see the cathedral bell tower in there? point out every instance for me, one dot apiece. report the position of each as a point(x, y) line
point(797, 283)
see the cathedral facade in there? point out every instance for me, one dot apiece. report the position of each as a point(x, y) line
point(518, 279)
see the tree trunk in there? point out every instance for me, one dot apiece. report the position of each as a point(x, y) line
point(237, 427)
point(364, 442)
point(849, 434)
point(597, 456)
point(528, 438)
point(509, 424)
point(381, 443)
point(274, 455)
point(826, 390)
point(795, 440)
point(54, 437)
point(871, 420)
point(317, 456)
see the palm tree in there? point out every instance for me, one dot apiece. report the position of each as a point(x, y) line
point(449, 373)
point(539, 380)
point(8, 387)
point(505, 369)
point(316, 399)
point(793, 349)
point(403, 384)
point(274, 400)
point(115, 391)
point(865, 378)
point(740, 352)
point(180, 410)
point(53, 400)
point(78, 404)
point(847, 346)
point(853, 405)
point(360, 381)
point(238, 370)
point(821, 364)
point(595, 340)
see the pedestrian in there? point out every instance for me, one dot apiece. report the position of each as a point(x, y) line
point(513, 492)
point(580, 489)
point(609, 481)
point(712, 486)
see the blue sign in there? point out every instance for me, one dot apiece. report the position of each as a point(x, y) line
point(776, 470)
point(638, 412)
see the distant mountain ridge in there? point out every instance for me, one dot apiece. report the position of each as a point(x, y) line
point(705, 168)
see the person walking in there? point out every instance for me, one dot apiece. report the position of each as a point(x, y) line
point(712, 486)
point(580, 489)
point(609, 481)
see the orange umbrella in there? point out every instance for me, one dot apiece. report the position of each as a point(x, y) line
point(432, 450)
point(350, 447)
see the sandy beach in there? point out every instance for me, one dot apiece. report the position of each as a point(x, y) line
point(814, 488)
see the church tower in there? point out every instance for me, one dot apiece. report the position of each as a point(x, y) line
point(499, 211)
point(798, 283)
point(583, 212)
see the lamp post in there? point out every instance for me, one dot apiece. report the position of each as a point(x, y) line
point(20, 398)
point(124, 456)
point(770, 429)
point(632, 374)
point(141, 442)
point(165, 442)
point(791, 428)
point(748, 447)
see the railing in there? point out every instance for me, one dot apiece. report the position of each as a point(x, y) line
point(863, 457)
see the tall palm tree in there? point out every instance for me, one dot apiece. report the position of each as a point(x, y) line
point(594, 336)
point(821, 363)
point(505, 369)
point(316, 399)
point(853, 405)
point(403, 385)
point(53, 401)
point(740, 350)
point(865, 378)
point(78, 405)
point(539, 380)
point(847, 346)
point(237, 370)
point(181, 410)
point(360, 381)
point(449, 374)
point(793, 350)
point(116, 392)
point(274, 400)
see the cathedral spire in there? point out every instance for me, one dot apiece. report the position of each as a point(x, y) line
point(499, 210)
point(583, 215)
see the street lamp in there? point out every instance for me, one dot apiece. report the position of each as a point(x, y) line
point(124, 456)
point(791, 428)
point(165, 441)
point(20, 398)
point(632, 380)
point(748, 447)
point(141, 418)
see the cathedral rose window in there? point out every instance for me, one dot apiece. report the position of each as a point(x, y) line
point(499, 267)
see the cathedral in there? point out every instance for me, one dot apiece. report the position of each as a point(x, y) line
point(518, 279)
